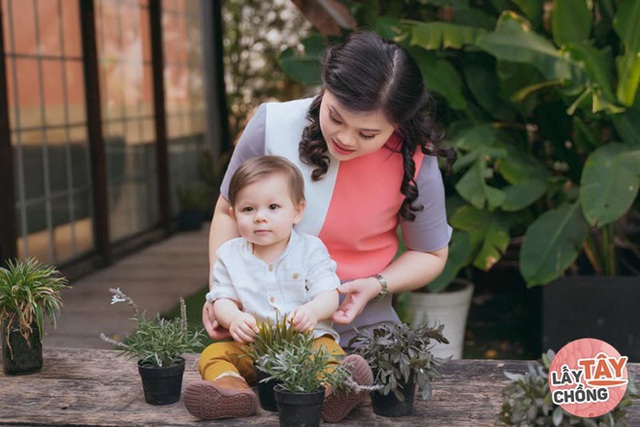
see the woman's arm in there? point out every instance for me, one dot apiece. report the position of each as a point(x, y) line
point(223, 228)
point(409, 271)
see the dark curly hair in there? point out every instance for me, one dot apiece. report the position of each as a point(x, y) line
point(368, 73)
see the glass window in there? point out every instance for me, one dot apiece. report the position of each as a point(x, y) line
point(184, 91)
point(126, 89)
point(48, 129)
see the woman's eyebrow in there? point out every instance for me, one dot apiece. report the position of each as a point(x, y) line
point(339, 117)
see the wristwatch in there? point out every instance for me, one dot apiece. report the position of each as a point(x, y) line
point(384, 285)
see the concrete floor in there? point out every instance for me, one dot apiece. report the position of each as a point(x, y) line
point(155, 277)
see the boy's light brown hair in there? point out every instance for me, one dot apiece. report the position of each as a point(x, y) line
point(260, 167)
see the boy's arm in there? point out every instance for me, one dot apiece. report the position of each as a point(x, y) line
point(322, 307)
point(241, 325)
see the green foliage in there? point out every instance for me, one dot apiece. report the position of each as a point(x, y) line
point(272, 337)
point(195, 196)
point(302, 368)
point(157, 341)
point(29, 290)
point(260, 30)
point(527, 401)
point(399, 352)
point(539, 99)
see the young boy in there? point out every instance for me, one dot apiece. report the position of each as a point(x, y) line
point(270, 270)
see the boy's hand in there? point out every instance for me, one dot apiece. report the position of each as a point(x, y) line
point(243, 328)
point(303, 319)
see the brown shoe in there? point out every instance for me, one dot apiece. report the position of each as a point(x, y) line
point(340, 403)
point(226, 397)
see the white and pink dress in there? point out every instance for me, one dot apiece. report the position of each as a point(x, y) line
point(355, 207)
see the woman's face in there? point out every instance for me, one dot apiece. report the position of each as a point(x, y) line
point(351, 134)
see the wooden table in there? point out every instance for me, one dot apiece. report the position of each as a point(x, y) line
point(84, 387)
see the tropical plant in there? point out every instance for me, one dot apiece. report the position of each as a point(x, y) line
point(539, 99)
point(398, 353)
point(302, 368)
point(527, 401)
point(29, 290)
point(158, 341)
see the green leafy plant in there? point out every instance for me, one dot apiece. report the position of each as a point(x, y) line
point(539, 99)
point(398, 353)
point(195, 196)
point(271, 338)
point(29, 290)
point(156, 342)
point(527, 401)
point(302, 368)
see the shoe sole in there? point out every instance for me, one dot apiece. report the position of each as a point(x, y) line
point(206, 401)
point(338, 405)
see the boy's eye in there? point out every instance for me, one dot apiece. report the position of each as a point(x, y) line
point(334, 119)
point(247, 209)
point(273, 206)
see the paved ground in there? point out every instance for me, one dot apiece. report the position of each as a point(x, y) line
point(155, 277)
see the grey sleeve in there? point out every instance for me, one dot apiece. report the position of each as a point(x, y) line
point(430, 230)
point(251, 144)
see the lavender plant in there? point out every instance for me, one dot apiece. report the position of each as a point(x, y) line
point(156, 341)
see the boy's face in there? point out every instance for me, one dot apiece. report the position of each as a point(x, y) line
point(265, 212)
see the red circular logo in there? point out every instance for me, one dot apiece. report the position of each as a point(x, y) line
point(588, 378)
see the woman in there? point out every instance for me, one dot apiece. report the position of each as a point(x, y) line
point(367, 149)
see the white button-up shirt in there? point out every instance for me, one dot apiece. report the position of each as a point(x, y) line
point(303, 271)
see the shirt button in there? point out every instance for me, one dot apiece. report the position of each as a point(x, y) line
point(272, 299)
point(270, 267)
point(295, 276)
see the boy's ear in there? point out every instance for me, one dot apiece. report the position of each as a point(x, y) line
point(232, 213)
point(299, 211)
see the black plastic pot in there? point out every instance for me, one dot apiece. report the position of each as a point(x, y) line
point(299, 409)
point(265, 391)
point(190, 220)
point(163, 385)
point(23, 356)
point(390, 406)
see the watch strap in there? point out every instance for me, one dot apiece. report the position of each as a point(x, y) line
point(383, 285)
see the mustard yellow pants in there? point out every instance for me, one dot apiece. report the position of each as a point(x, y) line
point(227, 356)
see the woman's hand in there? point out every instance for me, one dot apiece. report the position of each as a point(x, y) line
point(358, 293)
point(211, 325)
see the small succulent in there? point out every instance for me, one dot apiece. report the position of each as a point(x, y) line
point(156, 341)
point(399, 352)
point(527, 401)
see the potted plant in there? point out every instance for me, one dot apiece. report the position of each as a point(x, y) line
point(29, 290)
point(272, 337)
point(302, 372)
point(158, 345)
point(195, 200)
point(539, 99)
point(401, 360)
point(527, 401)
point(444, 301)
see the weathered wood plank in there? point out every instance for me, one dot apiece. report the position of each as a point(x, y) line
point(83, 387)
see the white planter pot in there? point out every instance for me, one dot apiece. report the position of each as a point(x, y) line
point(447, 308)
